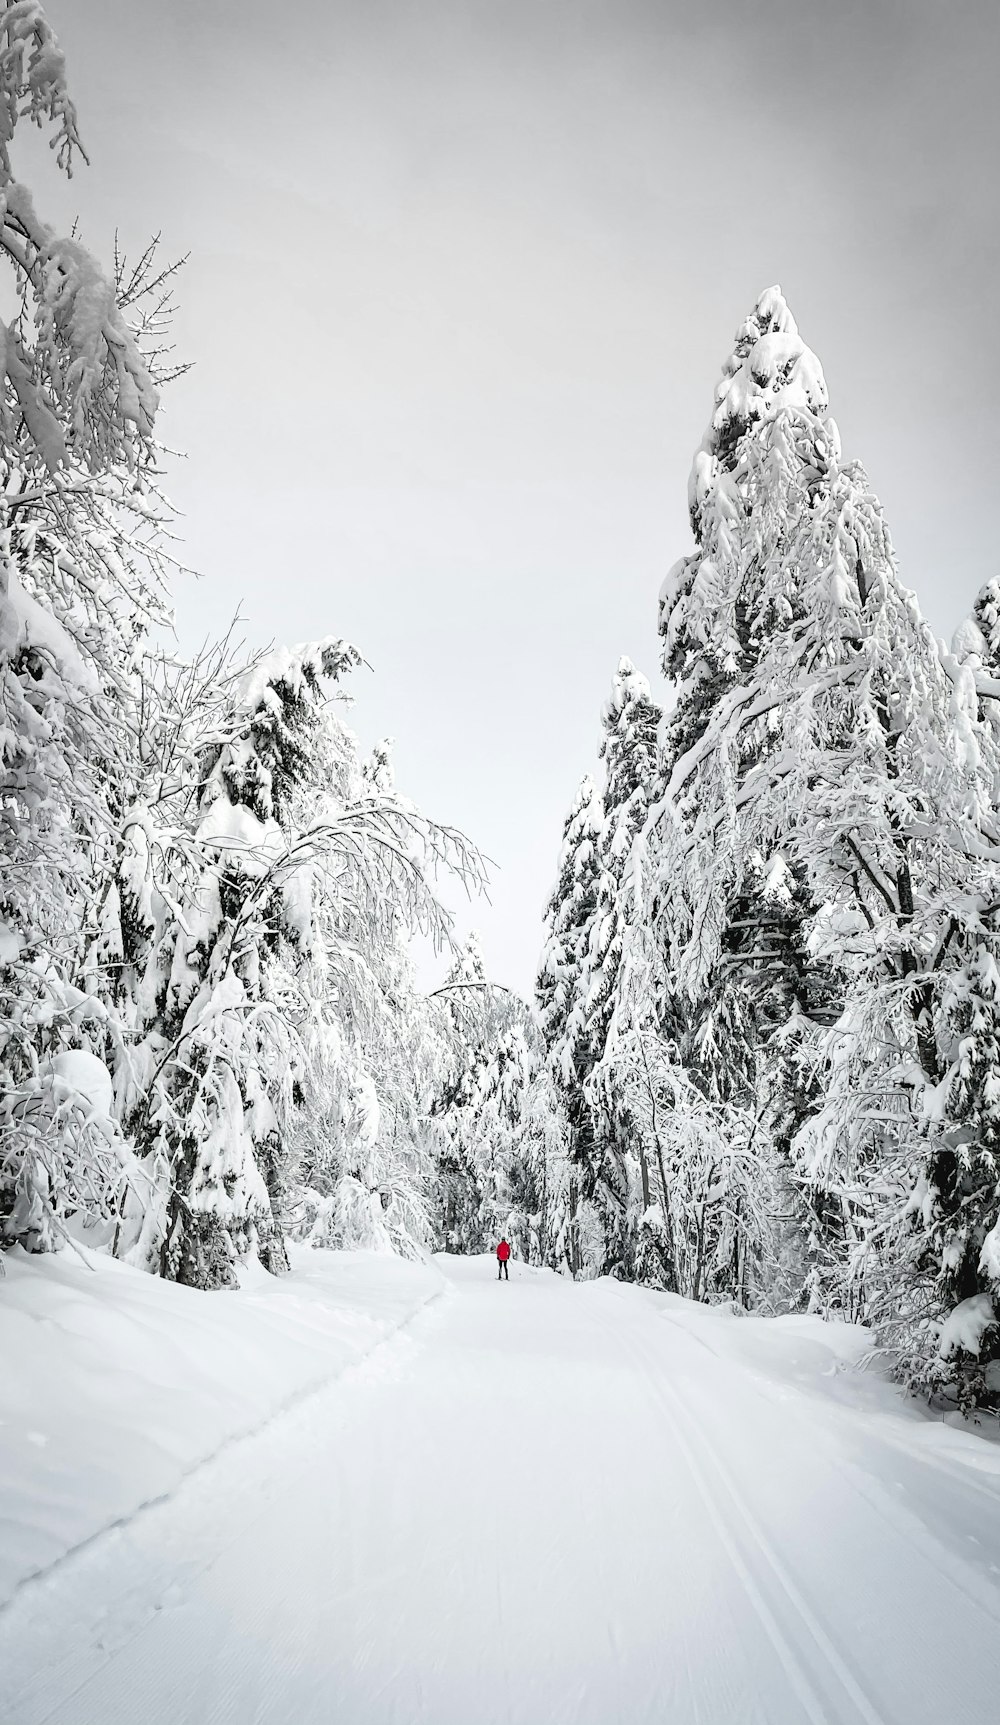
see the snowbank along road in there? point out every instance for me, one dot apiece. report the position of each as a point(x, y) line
point(544, 1505)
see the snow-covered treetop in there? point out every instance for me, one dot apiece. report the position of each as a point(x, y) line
point(275, 708)
point(628, 685)
point(468, 968)
point(577, 856)
point(987, 614)
point(630, 755)
point(771, 410)
point(295, 670)
point(571, 902)
point(978, 637)
point(770, 368)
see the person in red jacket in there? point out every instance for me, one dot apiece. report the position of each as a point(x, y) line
point(503, 1253)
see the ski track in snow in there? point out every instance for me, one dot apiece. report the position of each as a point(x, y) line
point(689, 1442)
point(693, 1438)
point(985, 1597)
point(543, 1505)
point(161, 1499)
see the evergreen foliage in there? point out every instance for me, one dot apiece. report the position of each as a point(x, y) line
point(801, 1019)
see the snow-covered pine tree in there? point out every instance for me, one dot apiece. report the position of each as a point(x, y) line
point(621, 1183)
point(734, 1020)
point(840, 746)
point(909, 876)
point(560, 995)
point(216, 1038)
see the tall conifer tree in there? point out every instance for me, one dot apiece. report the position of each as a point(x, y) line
point(570, 915)
point(835, 747)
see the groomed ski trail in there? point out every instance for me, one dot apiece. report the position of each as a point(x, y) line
point(315, 1392)
point(542, 1505)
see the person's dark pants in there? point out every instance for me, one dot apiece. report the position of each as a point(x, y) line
point(502, 1269)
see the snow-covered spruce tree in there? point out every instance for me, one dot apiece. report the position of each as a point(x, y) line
point(842, 747)
point(621, 1183)
point(909, 873)
point(217, 1056)
point(81, 580)
point(560, 995)
point(741, 982)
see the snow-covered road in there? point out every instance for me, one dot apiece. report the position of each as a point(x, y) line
point(535, 1504)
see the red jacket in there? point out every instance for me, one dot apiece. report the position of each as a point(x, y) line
point(503, 1251)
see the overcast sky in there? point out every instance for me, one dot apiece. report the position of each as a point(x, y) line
point(462, 277)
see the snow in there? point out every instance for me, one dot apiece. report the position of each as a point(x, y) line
point(297, 905)
point(124, 1383)
point(33, 626)
point(777, 883)
point(85, 1077)
point(989, 1257)
point(965, 1325)
point(11, 944)
point(543, 1501)
point(235, 829)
